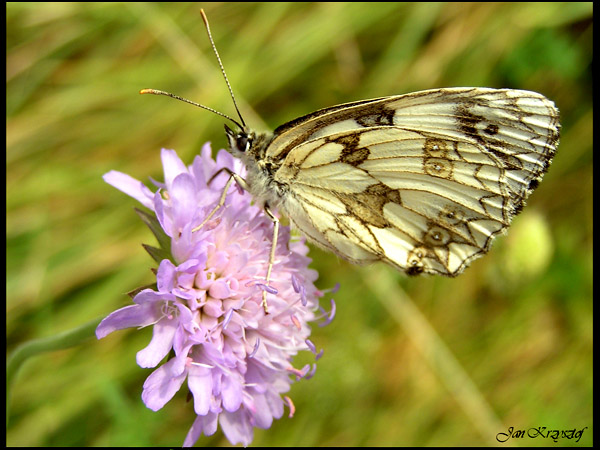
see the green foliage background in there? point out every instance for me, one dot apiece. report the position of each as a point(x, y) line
point(408, 361)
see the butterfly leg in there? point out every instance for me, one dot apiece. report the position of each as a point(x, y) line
point(232, 177)
point(272, 253)
point(242, 183)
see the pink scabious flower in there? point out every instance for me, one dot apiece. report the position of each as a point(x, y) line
point(206, 307)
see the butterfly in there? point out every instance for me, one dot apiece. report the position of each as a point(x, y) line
point(422, 181)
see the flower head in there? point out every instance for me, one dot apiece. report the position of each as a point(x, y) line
point(206, 307)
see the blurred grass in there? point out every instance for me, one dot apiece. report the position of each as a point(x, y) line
point(407, 361)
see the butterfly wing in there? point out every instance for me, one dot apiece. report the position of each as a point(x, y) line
point(422, 181)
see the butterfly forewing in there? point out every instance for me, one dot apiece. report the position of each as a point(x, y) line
point(422, 181)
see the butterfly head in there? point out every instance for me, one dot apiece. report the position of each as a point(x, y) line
point(239, 142)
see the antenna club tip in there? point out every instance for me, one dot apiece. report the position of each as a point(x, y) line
point(204, 18)
point(147, 91)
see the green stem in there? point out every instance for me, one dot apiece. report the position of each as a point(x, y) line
point(28, 349)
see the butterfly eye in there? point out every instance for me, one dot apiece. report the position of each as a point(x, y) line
point(244, 142)
point(240, 142)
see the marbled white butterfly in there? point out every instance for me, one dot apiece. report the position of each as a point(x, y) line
point(422, 181)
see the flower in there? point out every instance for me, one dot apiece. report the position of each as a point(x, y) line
point(206, 307)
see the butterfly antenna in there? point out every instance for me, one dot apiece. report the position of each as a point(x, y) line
point(205, 19)
point(177, 97)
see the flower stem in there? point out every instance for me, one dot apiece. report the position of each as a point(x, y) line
point(31, 348)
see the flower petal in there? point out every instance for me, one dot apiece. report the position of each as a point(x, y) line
point(161, 343)
point(161, 386)
point(127, 317)
point(219, 289)
point(206, 424)
point(130, 186)
point(237, 427)
point(231, 392)
point(200, 384)
point(172, 165)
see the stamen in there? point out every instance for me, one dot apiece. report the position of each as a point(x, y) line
point(334, 289)
point(269, 289)
point(310, 374)
point(290, 404)
point(299, 373)
point(303, 298)
point(199, 364)
point(296, 283)
point(296, 322)
point(299, 289)
point(313, 349)
point(255, 349)
point(169, 310)
point(227, 318)
point(330, 316)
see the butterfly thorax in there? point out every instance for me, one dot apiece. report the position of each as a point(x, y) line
point(251, 147)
